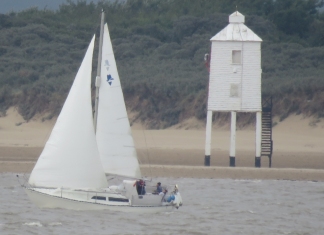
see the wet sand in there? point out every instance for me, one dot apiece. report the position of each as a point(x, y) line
point(189, 164)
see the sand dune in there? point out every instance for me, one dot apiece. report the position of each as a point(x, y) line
point(298, 143)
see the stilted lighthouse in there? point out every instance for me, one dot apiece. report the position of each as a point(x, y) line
point(235, 80)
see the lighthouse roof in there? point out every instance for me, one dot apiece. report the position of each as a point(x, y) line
point(236, 17)
point(236, 30)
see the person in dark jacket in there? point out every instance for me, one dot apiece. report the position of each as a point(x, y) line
point(158, 189)
point(140, 187)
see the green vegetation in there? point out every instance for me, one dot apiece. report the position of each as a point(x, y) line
point(159, 47)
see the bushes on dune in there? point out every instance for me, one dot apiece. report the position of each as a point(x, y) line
point(159, 48)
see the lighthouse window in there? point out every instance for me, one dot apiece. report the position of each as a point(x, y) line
point(234, 90)
point(236, 57)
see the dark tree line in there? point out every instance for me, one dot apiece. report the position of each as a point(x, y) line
point(159, 47)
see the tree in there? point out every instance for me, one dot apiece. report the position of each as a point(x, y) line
point(294, 17)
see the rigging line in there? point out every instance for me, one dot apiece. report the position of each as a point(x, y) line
point(163, 166)
point(23, 152)
point(21, 184)
point(26, 168)
point(45, 139)
point(147, 153)
point(49, 131)
point(25, 178)
point(19, 181)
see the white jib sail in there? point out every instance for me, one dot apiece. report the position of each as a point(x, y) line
point(114, 137)
point(70, 158)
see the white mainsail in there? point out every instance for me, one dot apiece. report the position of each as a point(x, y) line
point(114, 137)
point(70, 158)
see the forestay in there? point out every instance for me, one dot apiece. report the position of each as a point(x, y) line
point(114, 138)
point(70, 157)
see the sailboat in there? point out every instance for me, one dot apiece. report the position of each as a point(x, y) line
point(83, 151)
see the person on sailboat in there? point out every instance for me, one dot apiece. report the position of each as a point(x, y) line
point(158, 188)
point(140, 187)
point(164, 192)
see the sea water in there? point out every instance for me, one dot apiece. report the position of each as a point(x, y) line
point(210, 206)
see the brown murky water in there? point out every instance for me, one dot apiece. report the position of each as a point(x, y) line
point(211, 206)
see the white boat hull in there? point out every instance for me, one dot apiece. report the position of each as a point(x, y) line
point(44, 200)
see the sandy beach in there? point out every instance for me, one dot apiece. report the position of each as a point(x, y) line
point(179, 151)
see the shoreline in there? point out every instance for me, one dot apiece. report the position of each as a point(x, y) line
point(239, 173)
point(211, 172)
point(191, 157)
point(188, 163)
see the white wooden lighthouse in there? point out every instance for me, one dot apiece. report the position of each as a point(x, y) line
point(235, 80)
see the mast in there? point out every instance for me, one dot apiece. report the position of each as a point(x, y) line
point(97, 83)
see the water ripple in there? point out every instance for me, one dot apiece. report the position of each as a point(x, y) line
point(211, 206)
